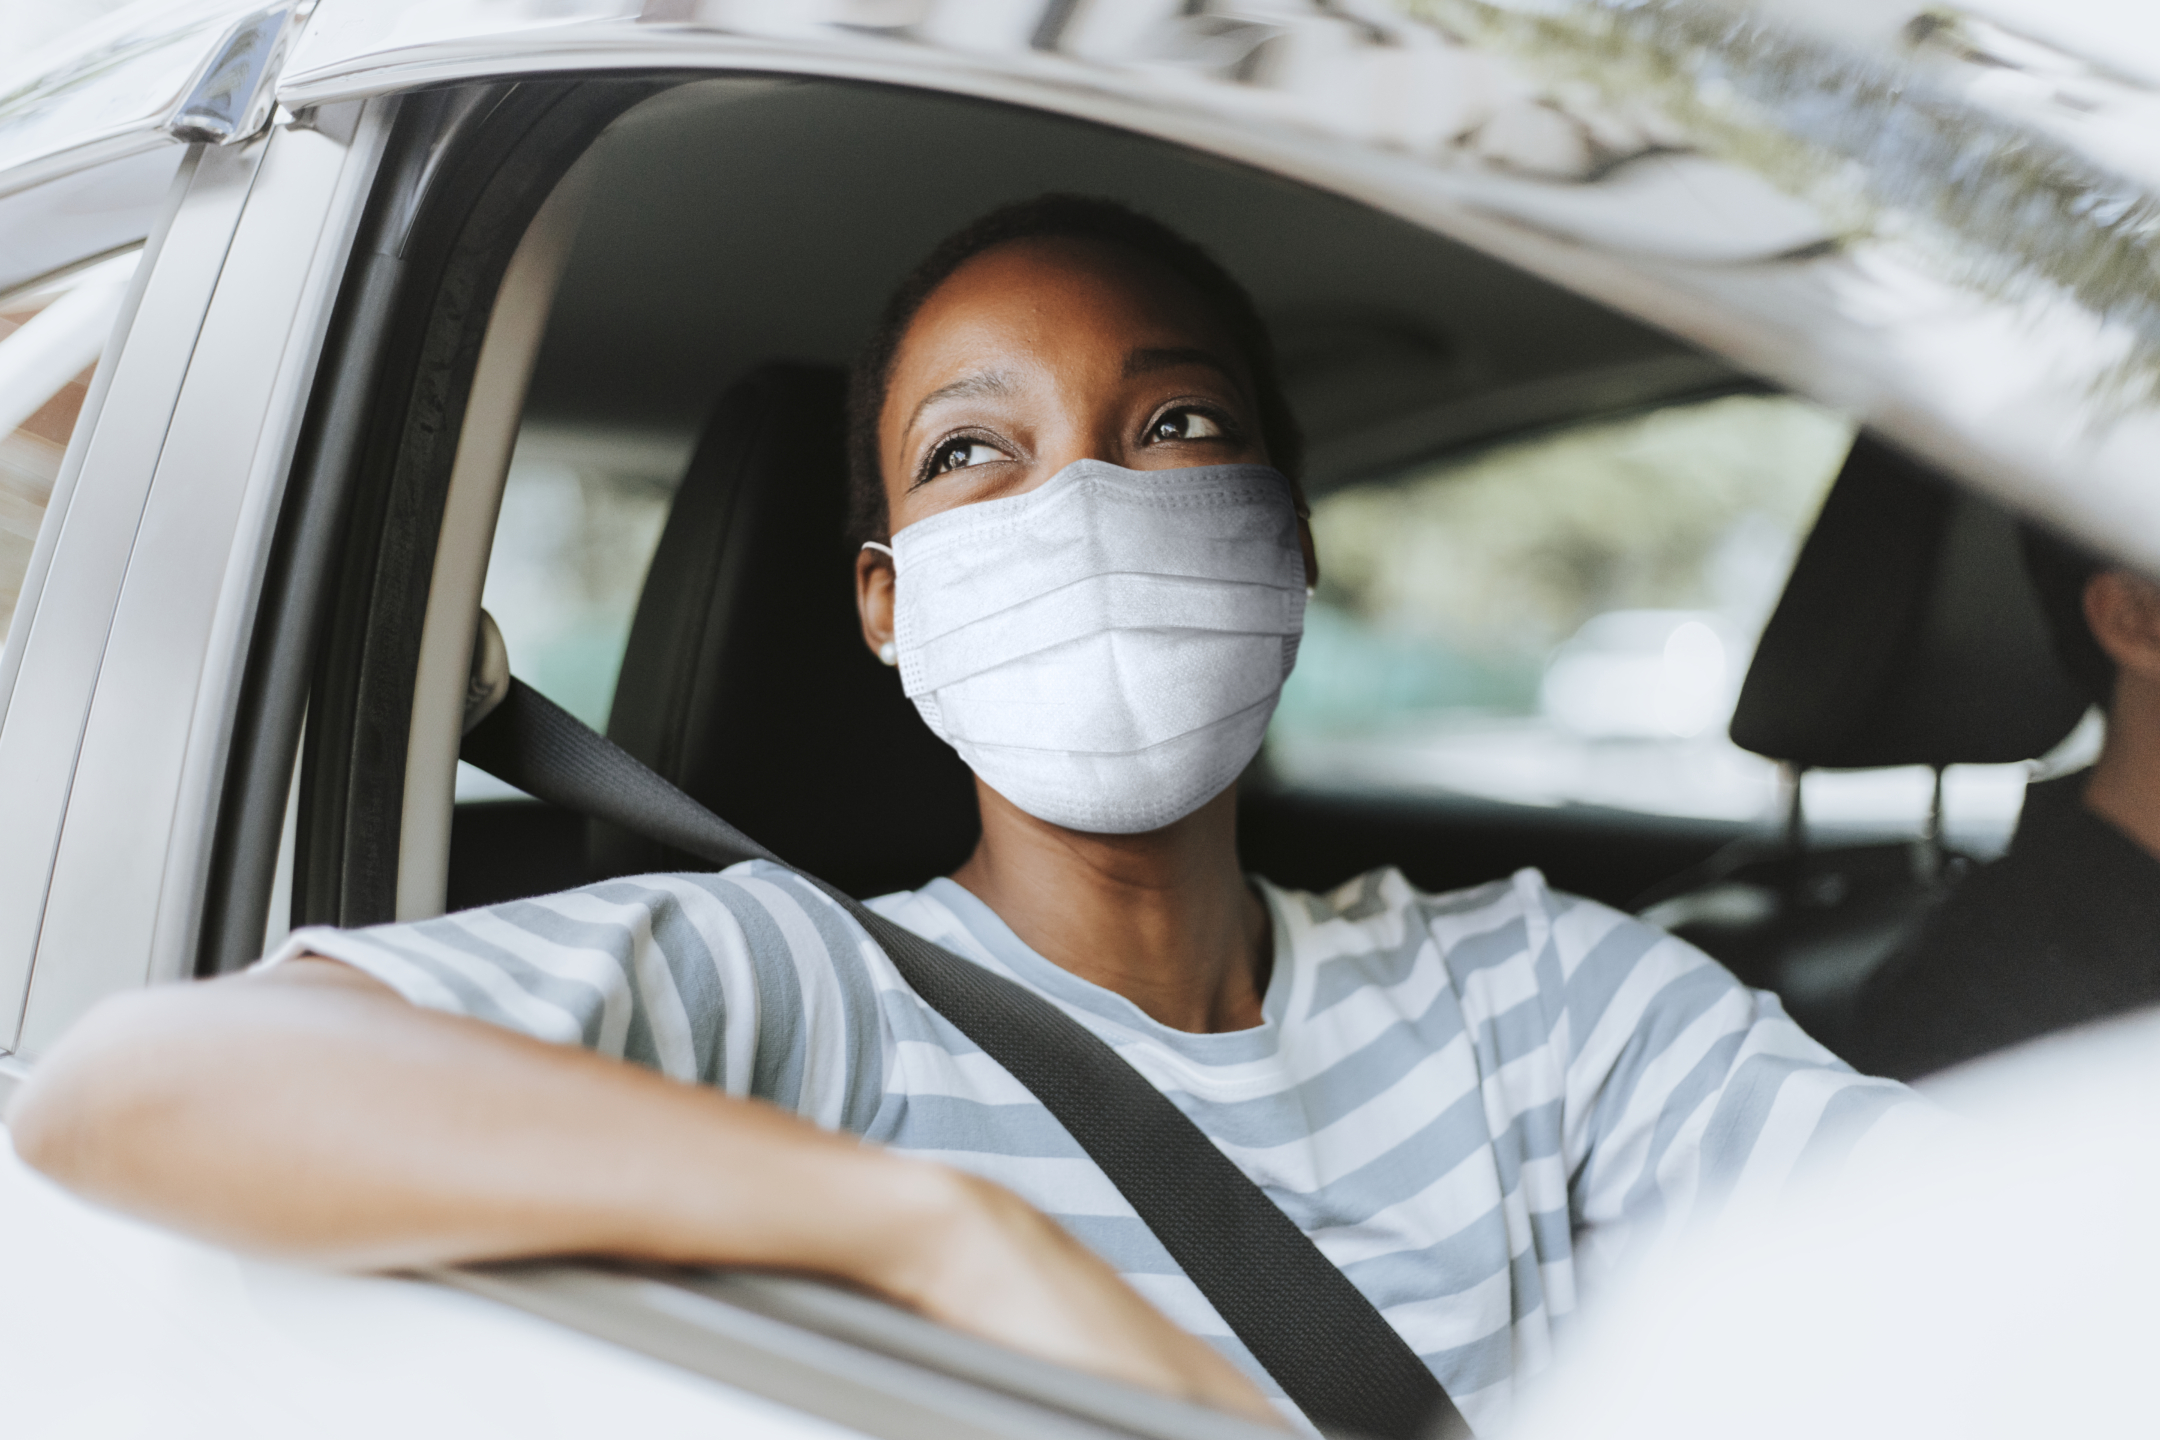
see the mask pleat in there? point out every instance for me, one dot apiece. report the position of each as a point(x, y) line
point(1106, 650)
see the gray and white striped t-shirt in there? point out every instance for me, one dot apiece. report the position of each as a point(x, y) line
point(1472, 1102)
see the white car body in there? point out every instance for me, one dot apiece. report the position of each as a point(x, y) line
point(125, 664)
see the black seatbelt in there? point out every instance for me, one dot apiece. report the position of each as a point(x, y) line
point(1320, 1338)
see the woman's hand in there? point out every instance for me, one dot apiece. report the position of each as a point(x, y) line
point(993, 1265)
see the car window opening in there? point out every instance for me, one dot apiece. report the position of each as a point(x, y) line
point(1523, 611)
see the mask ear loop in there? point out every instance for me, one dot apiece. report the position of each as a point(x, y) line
point(1304, 513)
point(887, 653)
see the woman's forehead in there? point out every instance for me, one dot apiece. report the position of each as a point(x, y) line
point(1058, 290)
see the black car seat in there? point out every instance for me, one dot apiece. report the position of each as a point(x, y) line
point(1907, 634)
point(746, 681)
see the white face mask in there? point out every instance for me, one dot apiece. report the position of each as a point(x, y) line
point(1105, 650)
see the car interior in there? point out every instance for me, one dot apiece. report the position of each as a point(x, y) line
point(735, 240)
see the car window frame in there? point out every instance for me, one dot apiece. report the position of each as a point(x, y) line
point(838, 1356)
point(340, 626)
point(157, 564)
point(41, 705)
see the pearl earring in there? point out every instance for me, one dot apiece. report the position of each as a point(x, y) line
point(888, 654)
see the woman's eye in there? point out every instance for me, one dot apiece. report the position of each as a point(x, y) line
point(1186, 425)
point(960, 454)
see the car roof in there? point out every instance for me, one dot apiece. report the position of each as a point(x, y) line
point(1394, 345)
point(101, 89)
point(1944, 223)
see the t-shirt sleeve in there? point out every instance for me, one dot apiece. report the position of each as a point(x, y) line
point(1682, 1089)
point(749, 980)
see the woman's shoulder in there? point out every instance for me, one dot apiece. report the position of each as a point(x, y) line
point(1386, 896)
point(1518, 915)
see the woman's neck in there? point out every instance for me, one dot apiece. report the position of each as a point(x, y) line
point(2125, 784)
point(1164, 919)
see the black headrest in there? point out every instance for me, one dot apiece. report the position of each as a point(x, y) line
point(1907, 635)
point(746, 681)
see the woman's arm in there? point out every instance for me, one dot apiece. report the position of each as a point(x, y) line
point(310, 1112)
point(1687, 1089)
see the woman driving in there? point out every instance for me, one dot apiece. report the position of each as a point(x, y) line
point(1084, 549)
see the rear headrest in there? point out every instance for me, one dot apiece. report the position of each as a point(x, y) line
point(1907, 635)
point(746, 681)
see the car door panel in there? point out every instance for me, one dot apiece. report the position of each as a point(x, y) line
point(115, 1327)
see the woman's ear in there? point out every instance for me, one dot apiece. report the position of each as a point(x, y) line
point(2123, 612)
point(874, 600)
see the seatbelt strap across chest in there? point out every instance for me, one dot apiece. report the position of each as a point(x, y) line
point(1319, 1337)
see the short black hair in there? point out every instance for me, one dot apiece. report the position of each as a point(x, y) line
point(1054, 217)
point(2060, 571)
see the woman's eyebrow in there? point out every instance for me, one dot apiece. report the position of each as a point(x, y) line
point(987, 382)
point(1142, 362)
